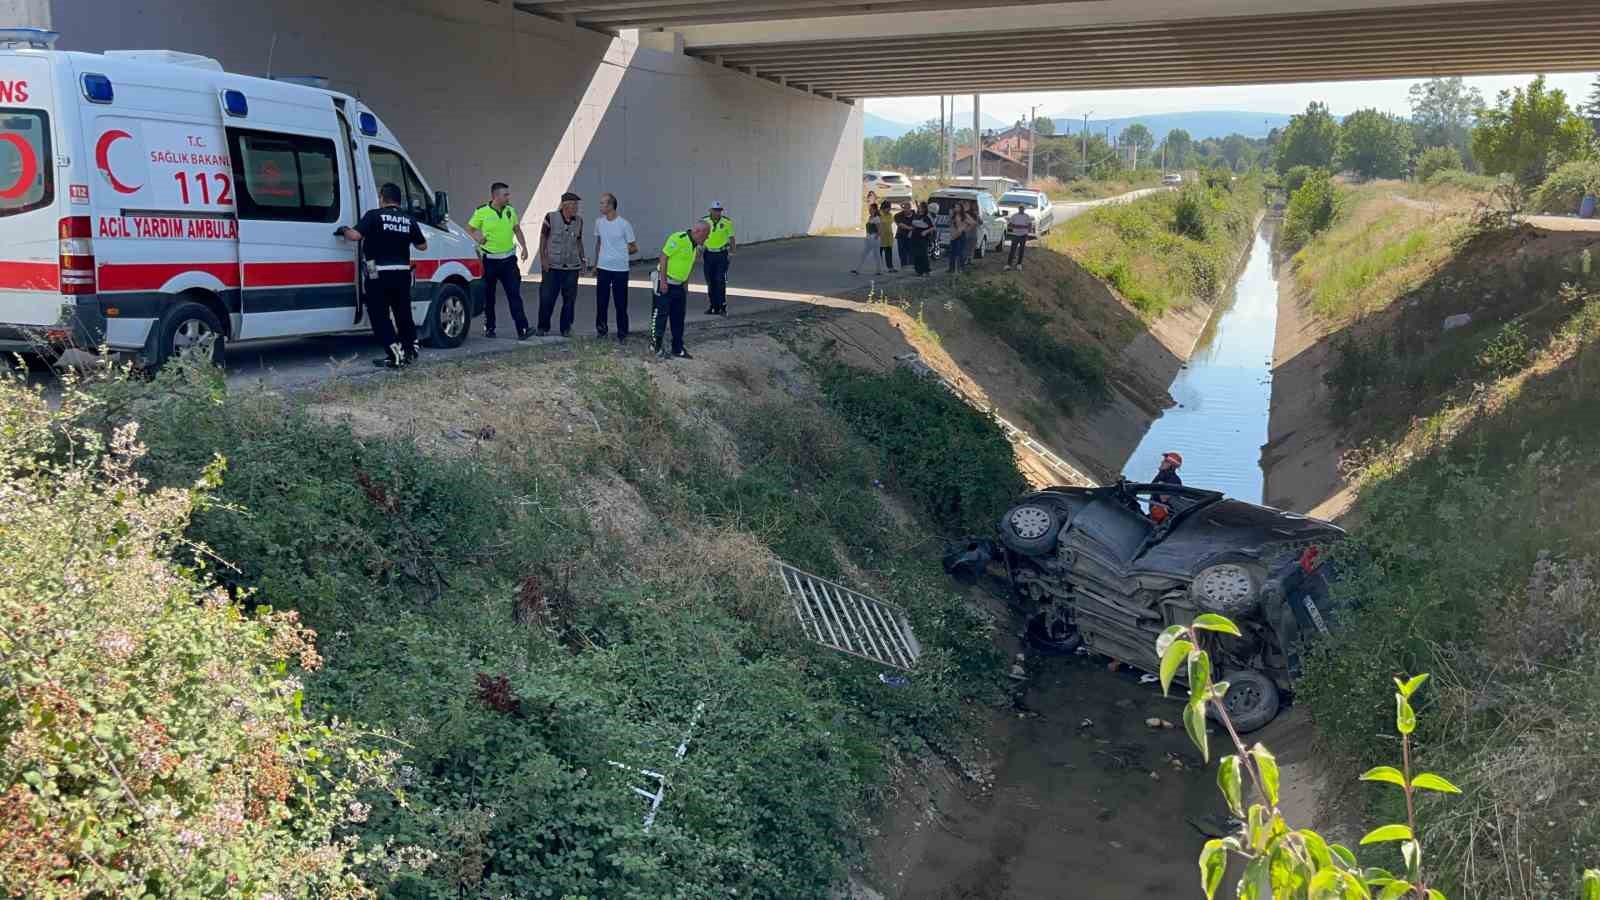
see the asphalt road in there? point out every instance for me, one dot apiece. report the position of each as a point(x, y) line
point(775, 278)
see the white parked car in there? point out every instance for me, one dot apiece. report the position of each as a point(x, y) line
point(887, 185)
point(1172, 178)
point(992, 231)
point(1036, 204)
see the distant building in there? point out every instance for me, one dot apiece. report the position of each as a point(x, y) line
point(994, 163)
point(1014, 141)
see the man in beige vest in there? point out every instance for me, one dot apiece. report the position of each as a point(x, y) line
point(561, 259)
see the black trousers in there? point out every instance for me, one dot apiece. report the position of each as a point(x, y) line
point(669, 309)
point(611, 288)
point(919, 256)
point(716, 270)
point(389, 307)
point(903, 244)
point(507, 274)
point(1018, 245)
point(563, 282)
point(888, 257)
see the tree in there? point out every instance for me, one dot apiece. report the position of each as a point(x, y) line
point(1591, 106)
point(917, 150)
point(1178, 143)
point(1139, 136)
point(1374, 144)
point(1044, 125)
point(1435, 160)
point(1529, 132)
point(1442, 113)
point(873, 151)
point(1236, 150)
point(1311, 139)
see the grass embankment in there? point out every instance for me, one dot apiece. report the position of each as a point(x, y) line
point(1166, 250)
point(1474, 534)
point(508, 612)
point(1096, 188)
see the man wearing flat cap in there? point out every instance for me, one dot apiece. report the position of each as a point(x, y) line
point(561, 259)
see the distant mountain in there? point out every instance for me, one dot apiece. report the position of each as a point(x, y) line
point(877, 126)
point(1200, 125)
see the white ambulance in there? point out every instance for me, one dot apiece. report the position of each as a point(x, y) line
point(149, 200)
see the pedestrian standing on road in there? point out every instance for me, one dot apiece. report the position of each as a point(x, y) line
point(1019, 227)
point(958, 236)
point(720, 244)
point(886, 234)
point(870, 248)
point(387, 235)
point(922, 236)
point(561, 259)
point(902, 233)
point(614, 245)
point(498, 233)
point(671, 298)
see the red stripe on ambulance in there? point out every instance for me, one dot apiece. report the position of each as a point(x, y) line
point(30, 276)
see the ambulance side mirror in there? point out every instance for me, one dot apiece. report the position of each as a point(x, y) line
point(441, 207)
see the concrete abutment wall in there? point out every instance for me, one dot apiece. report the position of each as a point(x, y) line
point(479, 92)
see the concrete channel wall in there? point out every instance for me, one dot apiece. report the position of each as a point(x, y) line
point(479, 92)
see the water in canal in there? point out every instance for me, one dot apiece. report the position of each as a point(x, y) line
point(1223, 397)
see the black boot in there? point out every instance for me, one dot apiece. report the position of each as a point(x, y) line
point(393, 357)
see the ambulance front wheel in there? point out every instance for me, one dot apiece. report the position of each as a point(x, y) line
point(190, 327)
point(449, 316)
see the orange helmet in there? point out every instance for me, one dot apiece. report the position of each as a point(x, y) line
point(1175, 456)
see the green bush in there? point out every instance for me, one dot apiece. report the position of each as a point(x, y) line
point(1508, 352)
point(1359, 370)
point(1192, 216)
point(946, 455)
point(1564, 190)
point(1311, 209)
point(1437, 159)
point(1297, 176)
point(1460, 180)
point(154, 734)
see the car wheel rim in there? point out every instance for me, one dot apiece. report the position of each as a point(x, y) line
point(1030, 522)
point(189, 333)
point(1242, 698)
point(453, 316)
point(1226, 585)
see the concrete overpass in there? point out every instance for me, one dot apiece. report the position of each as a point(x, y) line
point(672, 104)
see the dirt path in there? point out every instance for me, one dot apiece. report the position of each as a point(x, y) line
point(1073, 809)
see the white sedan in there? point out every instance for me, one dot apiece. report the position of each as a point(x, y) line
point(1035, 204)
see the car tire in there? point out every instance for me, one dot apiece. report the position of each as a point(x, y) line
point(449, 317)
point(186, 324)
point(1252, 700)
point(1058, 641)
point(1032, 528)
point(983, 247)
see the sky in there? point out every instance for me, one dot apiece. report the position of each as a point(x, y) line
point(1342, 97)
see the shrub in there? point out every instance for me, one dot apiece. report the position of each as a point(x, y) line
point(155, 744)
point(1508, 352)
point(1462, 180)
point(1311, 209)
point(1359, 369)
point(1072, 373)
point(1295, 177)
point(1437, 159)
point(1564, 190)
point(1192, 216)
point(946, 455)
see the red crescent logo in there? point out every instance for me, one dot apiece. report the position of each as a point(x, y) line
point(102, 159)
point(30, 167)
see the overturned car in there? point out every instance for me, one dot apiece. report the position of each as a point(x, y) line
point(1108, 568)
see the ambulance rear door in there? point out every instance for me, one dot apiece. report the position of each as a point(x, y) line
point(30, 195)
point(288, 155)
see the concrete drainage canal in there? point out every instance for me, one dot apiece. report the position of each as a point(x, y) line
point(1094, 794)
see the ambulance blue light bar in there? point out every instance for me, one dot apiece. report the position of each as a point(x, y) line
point(235, 103)
point(97, 88)
point(368, 124)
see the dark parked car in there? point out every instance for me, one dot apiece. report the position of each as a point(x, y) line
point(1109, 568)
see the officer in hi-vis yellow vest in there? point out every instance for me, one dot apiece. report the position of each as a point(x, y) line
point(720, 244)
point(671, 299)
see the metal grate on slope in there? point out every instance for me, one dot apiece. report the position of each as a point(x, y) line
point(849, 621)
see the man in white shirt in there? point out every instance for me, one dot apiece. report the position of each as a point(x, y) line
point(614, 244)
point(1019, 227)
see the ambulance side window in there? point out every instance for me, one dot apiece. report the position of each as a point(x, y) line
point(285, 177)
point(388, 167)
point(25, 161)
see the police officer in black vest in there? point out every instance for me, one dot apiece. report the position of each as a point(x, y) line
point(387, 234)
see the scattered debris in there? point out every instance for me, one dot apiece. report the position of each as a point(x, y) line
point(1153, 722)
point(1017, 672)
point(1459, 320)
point(1154, 776)
point(655, 797)
point(849, 621)
point(1147, 678)
point(1086, 723)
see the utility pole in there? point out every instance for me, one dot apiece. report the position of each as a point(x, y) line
point(1031, 113)
point(977, 142)
point(941, 138)
point(951, 144)
point(1084, 162)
